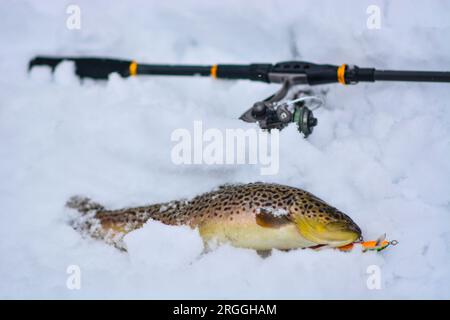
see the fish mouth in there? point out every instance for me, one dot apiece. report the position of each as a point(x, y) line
point(334, 234)
point(341, 235)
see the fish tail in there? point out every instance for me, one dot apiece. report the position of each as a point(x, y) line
point(83, 205)
point(111, 226)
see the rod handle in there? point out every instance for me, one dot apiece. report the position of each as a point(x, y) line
point(254, 72)
point(95, 68)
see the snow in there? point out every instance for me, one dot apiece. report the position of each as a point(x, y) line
point(278, 212)
point(380, 152)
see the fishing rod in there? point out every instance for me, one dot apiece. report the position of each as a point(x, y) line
point(275, 112)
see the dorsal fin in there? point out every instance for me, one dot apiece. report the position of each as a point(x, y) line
point(229, 185)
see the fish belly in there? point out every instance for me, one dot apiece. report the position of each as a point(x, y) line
point(253, 236)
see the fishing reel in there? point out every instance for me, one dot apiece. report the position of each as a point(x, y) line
point(277, 112)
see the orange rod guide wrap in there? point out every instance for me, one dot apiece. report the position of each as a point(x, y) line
point(341, 74)
point(133, 68)
point(214, 71)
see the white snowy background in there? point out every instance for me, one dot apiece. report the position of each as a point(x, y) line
point(381, 152)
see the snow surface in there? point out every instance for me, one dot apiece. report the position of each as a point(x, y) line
point(380, 153)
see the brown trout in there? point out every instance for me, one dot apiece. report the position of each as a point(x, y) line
point(258, 216)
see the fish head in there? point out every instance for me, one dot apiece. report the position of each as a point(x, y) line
point(323, 224)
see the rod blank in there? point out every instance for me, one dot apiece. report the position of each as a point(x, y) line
point(418, 76)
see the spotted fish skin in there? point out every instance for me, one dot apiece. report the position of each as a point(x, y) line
point(260, 216)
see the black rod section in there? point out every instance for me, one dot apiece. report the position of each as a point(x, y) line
point(419, 76)
point(173, 70)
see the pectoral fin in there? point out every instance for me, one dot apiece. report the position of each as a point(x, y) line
point(267, 219)
point(264, 253)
